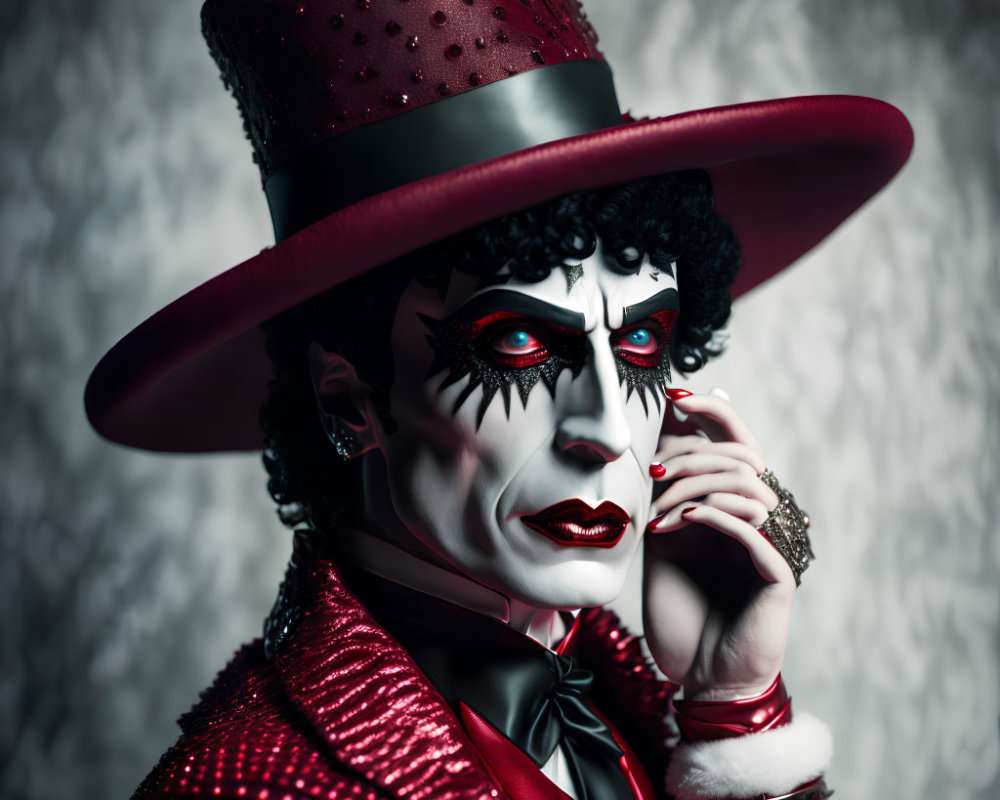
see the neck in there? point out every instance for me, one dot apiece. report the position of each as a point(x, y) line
point(544, 625)
point(387, 560)
point(380, 517)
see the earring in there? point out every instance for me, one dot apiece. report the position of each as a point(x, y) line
point(345, 444)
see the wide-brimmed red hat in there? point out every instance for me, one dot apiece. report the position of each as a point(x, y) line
point(381, 126)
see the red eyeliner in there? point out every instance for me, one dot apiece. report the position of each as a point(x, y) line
point(526, 360)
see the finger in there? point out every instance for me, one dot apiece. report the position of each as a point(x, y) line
point(750, 511)
point(669, 520)
point(753, 512)
point(717, 418)
point(698, 464)
point(766, 560)
point(675, 422)
point(697, 486)
point(673, 446)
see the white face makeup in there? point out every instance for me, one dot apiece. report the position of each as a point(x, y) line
point(545, 498)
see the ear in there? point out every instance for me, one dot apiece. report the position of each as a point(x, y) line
point(343, 400)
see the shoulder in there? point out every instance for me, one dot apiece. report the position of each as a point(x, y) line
point(609, 648)
point(245, 739)
point(626, 686)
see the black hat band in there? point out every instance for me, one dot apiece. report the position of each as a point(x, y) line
point(525, 110)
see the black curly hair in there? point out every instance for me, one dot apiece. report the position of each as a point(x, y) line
point(668, 218)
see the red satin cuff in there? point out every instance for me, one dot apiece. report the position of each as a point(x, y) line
point(812, 790)
point(707, 721)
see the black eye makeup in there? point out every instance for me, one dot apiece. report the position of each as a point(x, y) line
point(504, 338)
point(643, 356)
point(642, 345)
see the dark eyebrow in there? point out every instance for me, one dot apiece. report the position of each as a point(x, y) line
point(505, 300)
point(667, 300)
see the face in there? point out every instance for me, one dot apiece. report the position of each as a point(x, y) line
point(528, 414)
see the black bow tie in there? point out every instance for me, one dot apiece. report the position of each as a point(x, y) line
point(546, 699)
point(536, 698)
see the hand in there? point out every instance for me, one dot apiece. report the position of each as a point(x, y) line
point(717, 595)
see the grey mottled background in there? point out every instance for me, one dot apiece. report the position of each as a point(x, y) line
point(870, 372)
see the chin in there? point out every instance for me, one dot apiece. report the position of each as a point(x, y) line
point(568, 586)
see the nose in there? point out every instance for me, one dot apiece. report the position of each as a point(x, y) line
point(593, 429)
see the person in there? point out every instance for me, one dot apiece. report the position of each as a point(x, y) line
point(485, 284)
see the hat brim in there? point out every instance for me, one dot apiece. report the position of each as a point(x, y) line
point(192, 377)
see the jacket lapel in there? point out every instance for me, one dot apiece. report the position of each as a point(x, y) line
point(374, 709)
point(514, 771)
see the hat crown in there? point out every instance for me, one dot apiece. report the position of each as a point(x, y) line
point(305, 71)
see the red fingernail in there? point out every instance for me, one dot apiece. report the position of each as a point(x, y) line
point(678, 394)
point(655, 520)
point(657, 470)
point(688, 510)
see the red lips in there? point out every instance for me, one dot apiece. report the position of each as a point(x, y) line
point(572, 523)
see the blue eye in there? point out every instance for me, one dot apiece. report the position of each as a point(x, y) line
point(518, 339)
point(640, 337)
point(640, 346)
point(518, 347)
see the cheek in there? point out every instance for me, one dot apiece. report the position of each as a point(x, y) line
point(422, 413)
point(645, 425)
point(498, 450)
point(431, 497)
point(430, 460)
point(445, 474)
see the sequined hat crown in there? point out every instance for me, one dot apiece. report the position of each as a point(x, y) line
point(345, 98)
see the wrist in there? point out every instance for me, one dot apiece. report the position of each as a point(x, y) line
point(784, 763)
point(707, 720)
point(715, 694)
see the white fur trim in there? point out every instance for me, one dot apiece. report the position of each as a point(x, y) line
point(771, 763)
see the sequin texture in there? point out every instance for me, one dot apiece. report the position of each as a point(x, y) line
point(277, 57)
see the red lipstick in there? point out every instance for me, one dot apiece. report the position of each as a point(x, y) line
point(572, 523)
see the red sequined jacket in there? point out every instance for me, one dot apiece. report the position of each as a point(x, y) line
point(342, 712)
